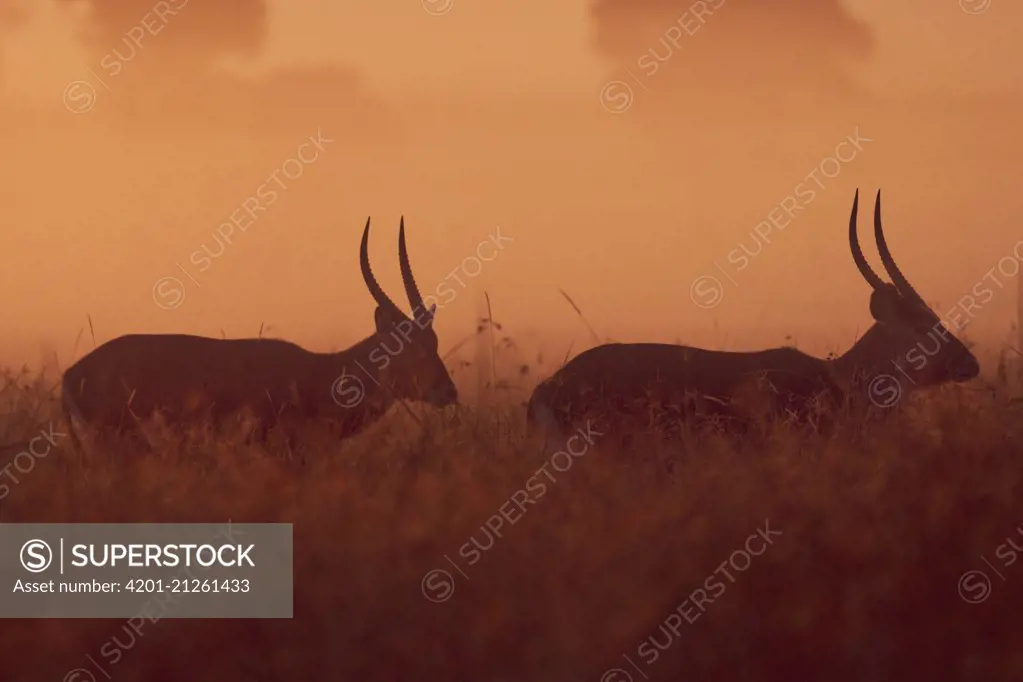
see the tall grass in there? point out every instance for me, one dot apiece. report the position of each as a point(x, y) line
point(878, 523)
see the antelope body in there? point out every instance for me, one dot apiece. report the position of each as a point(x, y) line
point(629, 385)
point(661, 385)
point(192, 379)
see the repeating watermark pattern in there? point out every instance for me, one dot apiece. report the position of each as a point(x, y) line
point(438, 7)
point(886, 390)
point(975, 6)
point(693, 606)
point(24, 462)
point(975, 586)
point(349, 389)
point(707, 291)
point(169, 291)
point(152, 611)
point(438, 585)
point(80, 95)
point(617, 96)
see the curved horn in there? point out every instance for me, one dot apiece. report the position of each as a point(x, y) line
point(367, 274)
point(414, 297)
point(857, 253)
point(900, 281)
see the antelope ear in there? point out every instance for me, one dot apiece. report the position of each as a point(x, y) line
point(384, 320)
point(886, 305)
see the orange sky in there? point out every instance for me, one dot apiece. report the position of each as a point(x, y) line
point(490, 115)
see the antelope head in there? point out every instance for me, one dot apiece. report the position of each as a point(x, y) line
point(406, 355)
point(907, 333)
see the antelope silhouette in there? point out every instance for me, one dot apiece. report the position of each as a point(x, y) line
point(193, 379)
point(666, 385)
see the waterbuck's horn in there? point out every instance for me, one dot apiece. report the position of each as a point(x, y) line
point(414, 297)
point(900, 281)
point(367, 274)
point(857, 253)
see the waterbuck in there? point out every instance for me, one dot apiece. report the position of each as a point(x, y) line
point(663, 386)
point(193, 380)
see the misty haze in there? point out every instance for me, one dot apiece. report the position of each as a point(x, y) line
point(379, 270)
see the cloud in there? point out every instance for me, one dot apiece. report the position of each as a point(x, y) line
point(294, 98)
point(742, 50)
point(189, 30)
point(161, 66)
point(13, 15)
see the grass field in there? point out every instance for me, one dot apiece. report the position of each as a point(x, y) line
point(870, 531)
